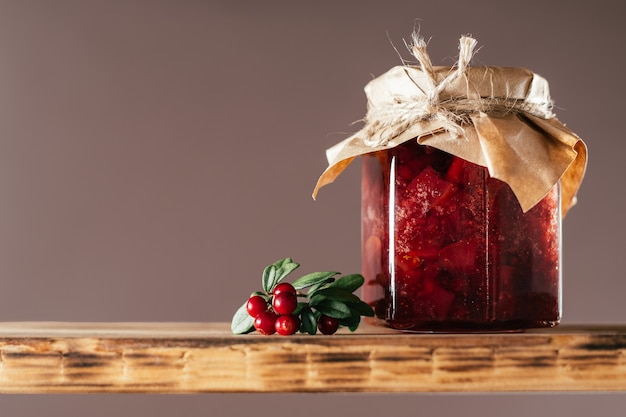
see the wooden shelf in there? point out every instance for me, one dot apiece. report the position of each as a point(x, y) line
point(48, 357)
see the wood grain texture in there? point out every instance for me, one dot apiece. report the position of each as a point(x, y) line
point(205, 357)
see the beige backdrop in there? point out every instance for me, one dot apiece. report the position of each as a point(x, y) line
point(156, 155)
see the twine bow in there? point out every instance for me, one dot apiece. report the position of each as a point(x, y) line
point(386, 120)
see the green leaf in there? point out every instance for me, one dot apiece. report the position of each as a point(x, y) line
point(350, 283)
point(351, 322)
point(334, 294)
point(299, 308)
point(242, 322)
point(333, 308)
point(281, 262)
point(274, 273)
point(285, 269)
point(313, 279)
point(269, 278)
point(309, 321)
point(316, 287)
point(362, 308)
point(337, 294)
point(355, 325)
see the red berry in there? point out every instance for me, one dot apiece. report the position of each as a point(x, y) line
point(255, 305)
point(284, 287)
point(285, 303)
point(287, 324)
point(327, 325)
point(265, 321)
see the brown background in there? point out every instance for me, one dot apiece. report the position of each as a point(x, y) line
point(155, 156)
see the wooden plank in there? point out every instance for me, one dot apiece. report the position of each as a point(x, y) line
point(52, 357)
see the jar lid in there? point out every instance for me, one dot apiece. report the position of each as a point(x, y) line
point(496, 117)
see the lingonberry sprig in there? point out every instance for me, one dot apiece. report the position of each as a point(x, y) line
point(284, 308)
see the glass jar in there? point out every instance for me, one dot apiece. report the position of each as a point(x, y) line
point(446, 247)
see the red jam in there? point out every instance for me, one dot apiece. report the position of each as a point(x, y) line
point(446, 247)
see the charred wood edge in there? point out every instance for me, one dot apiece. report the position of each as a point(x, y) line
point(205, 357)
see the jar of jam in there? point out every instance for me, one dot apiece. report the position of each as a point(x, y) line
point(467, 175)
point(447, 247)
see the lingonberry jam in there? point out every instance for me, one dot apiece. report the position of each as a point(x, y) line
point(447, 247)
